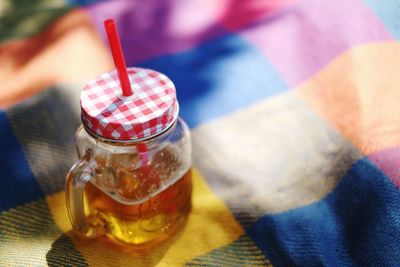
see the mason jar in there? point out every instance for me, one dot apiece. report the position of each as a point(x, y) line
point(132, 182)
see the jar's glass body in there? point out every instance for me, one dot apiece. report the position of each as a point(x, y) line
point(138, 193)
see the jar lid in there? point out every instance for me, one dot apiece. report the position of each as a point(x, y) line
point(151, 109)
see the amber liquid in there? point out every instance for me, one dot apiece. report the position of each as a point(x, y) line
point(142, 224)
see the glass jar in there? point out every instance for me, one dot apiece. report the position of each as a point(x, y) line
point(136, 192)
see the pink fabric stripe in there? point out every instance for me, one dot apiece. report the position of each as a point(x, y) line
point(242, 13)
point(302, 38)
point(388, 161)
point(151, 28)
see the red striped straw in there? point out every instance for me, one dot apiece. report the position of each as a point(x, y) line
point(119, 62)
point(118, 56)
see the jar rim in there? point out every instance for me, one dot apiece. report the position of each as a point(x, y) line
point(131, 141)
point(148, 139)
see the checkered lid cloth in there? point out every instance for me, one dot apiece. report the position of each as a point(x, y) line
point(151, 109)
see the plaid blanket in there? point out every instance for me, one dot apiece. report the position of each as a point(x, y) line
point(294, 111)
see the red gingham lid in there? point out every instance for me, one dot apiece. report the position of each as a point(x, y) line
point(150, 110)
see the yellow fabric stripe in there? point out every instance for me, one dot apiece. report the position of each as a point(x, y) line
point(210, 225)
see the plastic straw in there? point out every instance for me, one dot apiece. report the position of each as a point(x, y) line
point(118, 56)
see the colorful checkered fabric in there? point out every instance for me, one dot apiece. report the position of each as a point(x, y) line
point(293, 108)
point(149, 111)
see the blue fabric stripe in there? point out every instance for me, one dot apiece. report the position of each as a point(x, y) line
point(388, 11)
point(218, 77)
point(83, 2)
point(17, 183)
point(358, 224)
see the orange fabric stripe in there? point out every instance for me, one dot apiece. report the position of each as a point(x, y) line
point(359, 94)
point(67, 51)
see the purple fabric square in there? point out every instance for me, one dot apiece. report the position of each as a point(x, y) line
point(304, 37)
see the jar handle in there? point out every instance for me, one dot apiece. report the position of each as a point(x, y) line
point(80, 173)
